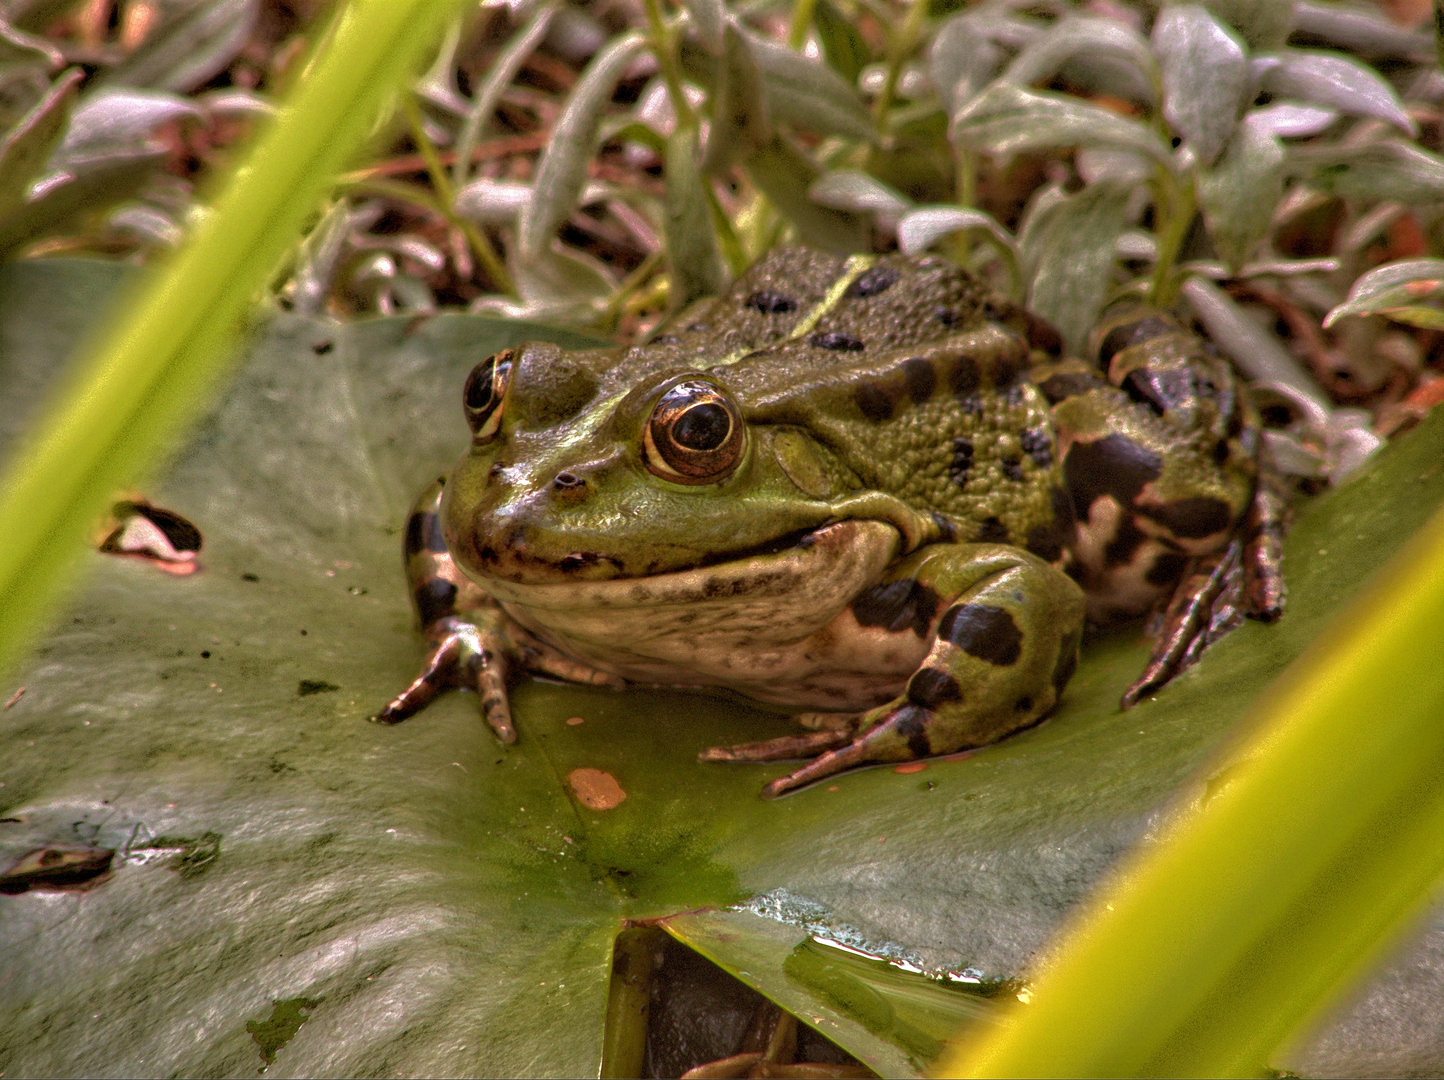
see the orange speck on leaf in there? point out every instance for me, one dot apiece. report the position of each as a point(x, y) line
point(573, 721)
point(911, 767)
point(594, 789)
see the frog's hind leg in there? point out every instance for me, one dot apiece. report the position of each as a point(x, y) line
point(1005, 642)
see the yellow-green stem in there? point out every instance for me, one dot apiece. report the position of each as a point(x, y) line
point(900, 47)
point(664, 47)
point(1178, 203)
point(801, 21)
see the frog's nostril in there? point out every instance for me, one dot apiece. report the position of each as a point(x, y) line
point(568, 482)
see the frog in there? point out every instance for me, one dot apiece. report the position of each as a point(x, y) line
point(866, 490)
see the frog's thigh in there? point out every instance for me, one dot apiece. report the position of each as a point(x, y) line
point(1005, 644)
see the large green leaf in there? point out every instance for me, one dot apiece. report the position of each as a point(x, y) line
point(419, 900)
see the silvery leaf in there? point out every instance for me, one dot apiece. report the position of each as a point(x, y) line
point(1263, 24)
point(1377, 172)
point(1205, 77)
point(62, 195)
point(499, 202)
point(966, 53)
point(117, 119)
point(808, 94)
point(1391, 286)
point(709, 19)
point(1008, 119)
point(741, 120)
point(1362, 30)
point(693, 260)
point(1336, 81)
point(27, 146)
point(190, 47)
point(562, 283)
point(1137, 246)
point(851, 189)
point(317, 258)
point(1287, 120)
point(1239, 193)
point(1111, 75)
point(147, 224)
point(784, 174)
point(1095, 163)
point(235, 101)
point(562, 171)
point(1086, 34)
point(1072, 248)
point(926, 225)
point(20, 48)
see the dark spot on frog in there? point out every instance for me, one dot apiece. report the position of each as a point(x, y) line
point(321, 348)
point(920, 378)
point(770, 303)
point(423, 533)
point(435, 599)
point(1159, 390)
point(1130, 334)
point(992, 531)
point(1064, 385)
point(1193, 519)
point(911, 723)
point(1013, 468)
point(1221, 451)
point(964, 377)
point(1046, 541)
point(665, 339)
point(579, 560)
point(947, 531)
point(836, 341)
point(1023, 704)
point(897, 606)
point(984, 631)
point(1113, 465)
point(947, 316)
point(873, 401)
point(962, 462)
point(1067, 662)
point(1125, 543)
point(1166, 569)
point(871, 282)
point(931, 687)
point(58, 869)
point(1038, 445)
point(307, 687)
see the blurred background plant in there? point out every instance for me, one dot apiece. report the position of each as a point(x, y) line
point(1271, 167)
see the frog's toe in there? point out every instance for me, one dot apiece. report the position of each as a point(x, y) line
point(1207, 604)
point(463, 656)
point(900, 736)
point(806, 745)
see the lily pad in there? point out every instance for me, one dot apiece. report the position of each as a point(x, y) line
point(297, 891)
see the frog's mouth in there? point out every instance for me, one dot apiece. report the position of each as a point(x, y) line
point(806, 583)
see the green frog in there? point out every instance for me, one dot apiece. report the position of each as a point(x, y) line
point(866, 490)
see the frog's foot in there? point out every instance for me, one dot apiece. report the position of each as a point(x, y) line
point(806, 745)
point(539, 658)
point(462, 655)
point(1207, 604)
point(1263, 552)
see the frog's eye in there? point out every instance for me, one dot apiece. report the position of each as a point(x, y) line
point(695, 435)
point(485, 388)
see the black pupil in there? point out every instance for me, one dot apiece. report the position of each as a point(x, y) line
point(478, 387)
point(702, 427)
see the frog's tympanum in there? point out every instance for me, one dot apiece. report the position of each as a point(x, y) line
point(867, 490)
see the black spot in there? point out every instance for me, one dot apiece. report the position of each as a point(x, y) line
point(962, 461)
point(1046, 541)
point(1023, 704)
point(931, 687)
point(770, 303)
point(702, 427)
point(873, 401)
point(307, 687)
point(423, 533)
point(1068, 384)
point(897, 606)
point(992, 531)
point(920, 378)
point(871, 282)
point(947, 316)
point(205, 654)
point(1159, 390)
point(249, 577)
point(1013, 468)
point(964, 377)
point(435, 599)
point(1129, 334)
point(578, 560)
point(665, 339)
point(984, 631)
point(1038, 445)
point(321, 348)
point(838, 342)
point(912, 724)
point(1113, 465)
point(1044, 335)
point(947, 531)
point(1220, 451)
point(1062, 508)
point(1166, 569)
point(1192, 519)
point(1067, 662)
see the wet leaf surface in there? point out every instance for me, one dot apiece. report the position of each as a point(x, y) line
point(297, 888)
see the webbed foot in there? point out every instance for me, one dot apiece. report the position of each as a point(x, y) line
point(463, 655)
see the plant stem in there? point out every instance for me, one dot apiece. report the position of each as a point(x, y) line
point(801, 20)
point(446, 197)
point(664, 47)
point(900, 47)
point(1179, 203)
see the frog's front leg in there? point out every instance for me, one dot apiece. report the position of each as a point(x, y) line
point(474, 645)
point(1005, 630)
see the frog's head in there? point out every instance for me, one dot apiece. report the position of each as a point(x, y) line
point(591, 466)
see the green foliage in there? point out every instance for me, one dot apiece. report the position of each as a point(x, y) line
point(449, 903)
